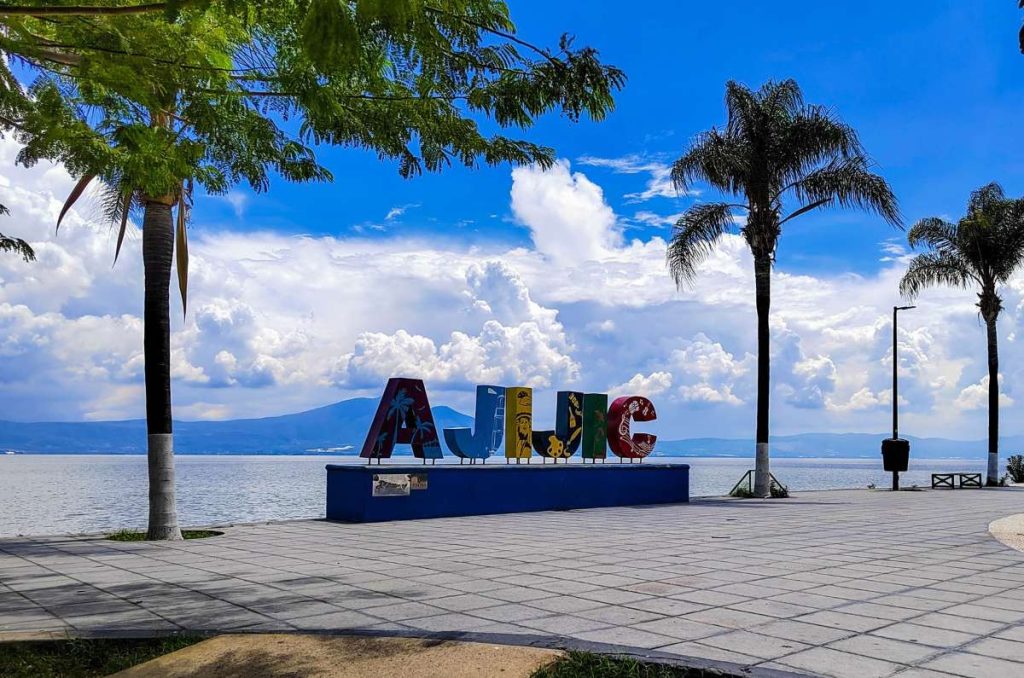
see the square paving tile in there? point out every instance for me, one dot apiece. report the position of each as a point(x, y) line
point(822, 661)
point(757, 645)
point(841, 620)
point(885, 648)
point(975, 666)
point(925, 635)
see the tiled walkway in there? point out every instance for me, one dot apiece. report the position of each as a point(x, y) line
point(848, 583)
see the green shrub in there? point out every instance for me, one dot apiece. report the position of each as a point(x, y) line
point(779, 491)
point(83, 658)
point(1015, 468)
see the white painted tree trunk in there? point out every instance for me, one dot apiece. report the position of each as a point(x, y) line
point(762, 476)
point(163, 514)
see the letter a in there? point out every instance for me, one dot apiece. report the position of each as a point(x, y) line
point(489, 421)
point(403, 416)
point(623, 410)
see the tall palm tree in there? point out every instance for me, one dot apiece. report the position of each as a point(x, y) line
point(782, 158)
point(983, 249)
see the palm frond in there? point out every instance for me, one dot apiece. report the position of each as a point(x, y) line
point(932, 269)
point(933, 232)
point(741, 107)
point(812, 137)
point(694, 239)
point(18, 246)
point(715, 158)
point(986, 199)
point(784, 95)
point(849, 183)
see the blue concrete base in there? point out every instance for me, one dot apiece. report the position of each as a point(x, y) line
point(499, 488)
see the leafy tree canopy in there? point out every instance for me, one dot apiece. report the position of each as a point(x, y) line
point(151, 96)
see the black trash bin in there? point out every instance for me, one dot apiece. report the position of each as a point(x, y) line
point(895, 454)
point(895, 458)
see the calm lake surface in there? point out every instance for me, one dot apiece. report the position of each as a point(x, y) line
point(66, 494)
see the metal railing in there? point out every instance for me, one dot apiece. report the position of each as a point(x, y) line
point(748, 478)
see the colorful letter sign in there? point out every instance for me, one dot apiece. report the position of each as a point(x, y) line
point(518, 422)
point(638, 445)
point(565, 439)
point(403, 416)
point(595, 426)
point(489, 422)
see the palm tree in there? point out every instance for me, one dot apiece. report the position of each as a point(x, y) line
point(984, 248)
point(783, 158)
point(399, 408)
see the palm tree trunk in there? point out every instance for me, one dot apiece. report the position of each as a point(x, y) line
point(993, 402)
point(157, 251)
point(763, 293)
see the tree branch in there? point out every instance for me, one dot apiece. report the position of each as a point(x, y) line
point(80, 10)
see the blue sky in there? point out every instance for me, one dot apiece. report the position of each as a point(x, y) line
point(933, 88)
point(310, 294)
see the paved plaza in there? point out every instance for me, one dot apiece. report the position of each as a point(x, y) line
point(842, 583)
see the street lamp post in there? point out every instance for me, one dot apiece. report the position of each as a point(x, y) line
point(895, 451)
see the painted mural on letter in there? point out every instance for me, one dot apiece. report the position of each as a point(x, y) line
point(622, 412)
point(403, 417)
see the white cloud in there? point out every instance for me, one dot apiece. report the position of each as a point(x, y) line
point(279, 323)
point(238, 202)
point(707, 372)
point(975, 396)
point(568, 218)
point(659, 183)
point(656, 220)
point(520, 343)
point(399, 210)
point(648, 386)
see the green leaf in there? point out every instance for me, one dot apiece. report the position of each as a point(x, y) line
point(330, 35)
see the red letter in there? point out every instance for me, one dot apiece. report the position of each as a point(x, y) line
point(622, 411)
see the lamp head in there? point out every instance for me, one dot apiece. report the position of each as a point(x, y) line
point(903, 308)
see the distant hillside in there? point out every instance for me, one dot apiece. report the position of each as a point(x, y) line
point(835, 445)
point(340, 429)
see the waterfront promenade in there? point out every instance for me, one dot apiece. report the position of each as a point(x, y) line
point(840, 583)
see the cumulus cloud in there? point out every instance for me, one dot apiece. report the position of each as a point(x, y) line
point(282, 323)
point(520, 343)
point(566, 213)
point(975, 396)
point(649, 385)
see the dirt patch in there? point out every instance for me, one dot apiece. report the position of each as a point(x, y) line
point(282, 655)
point(1009, 530)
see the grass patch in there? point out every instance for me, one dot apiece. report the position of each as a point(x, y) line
point(589, 665)
point(83, 657)
point(132, 535)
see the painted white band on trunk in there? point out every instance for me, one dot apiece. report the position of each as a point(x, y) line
point(163, 513)
point(762, 483)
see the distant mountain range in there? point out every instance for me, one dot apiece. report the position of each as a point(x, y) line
point(336, 429)
point(340, 429)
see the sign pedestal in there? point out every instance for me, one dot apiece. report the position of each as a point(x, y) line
point(408, 492)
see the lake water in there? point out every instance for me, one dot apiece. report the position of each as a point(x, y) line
point(66, 494)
